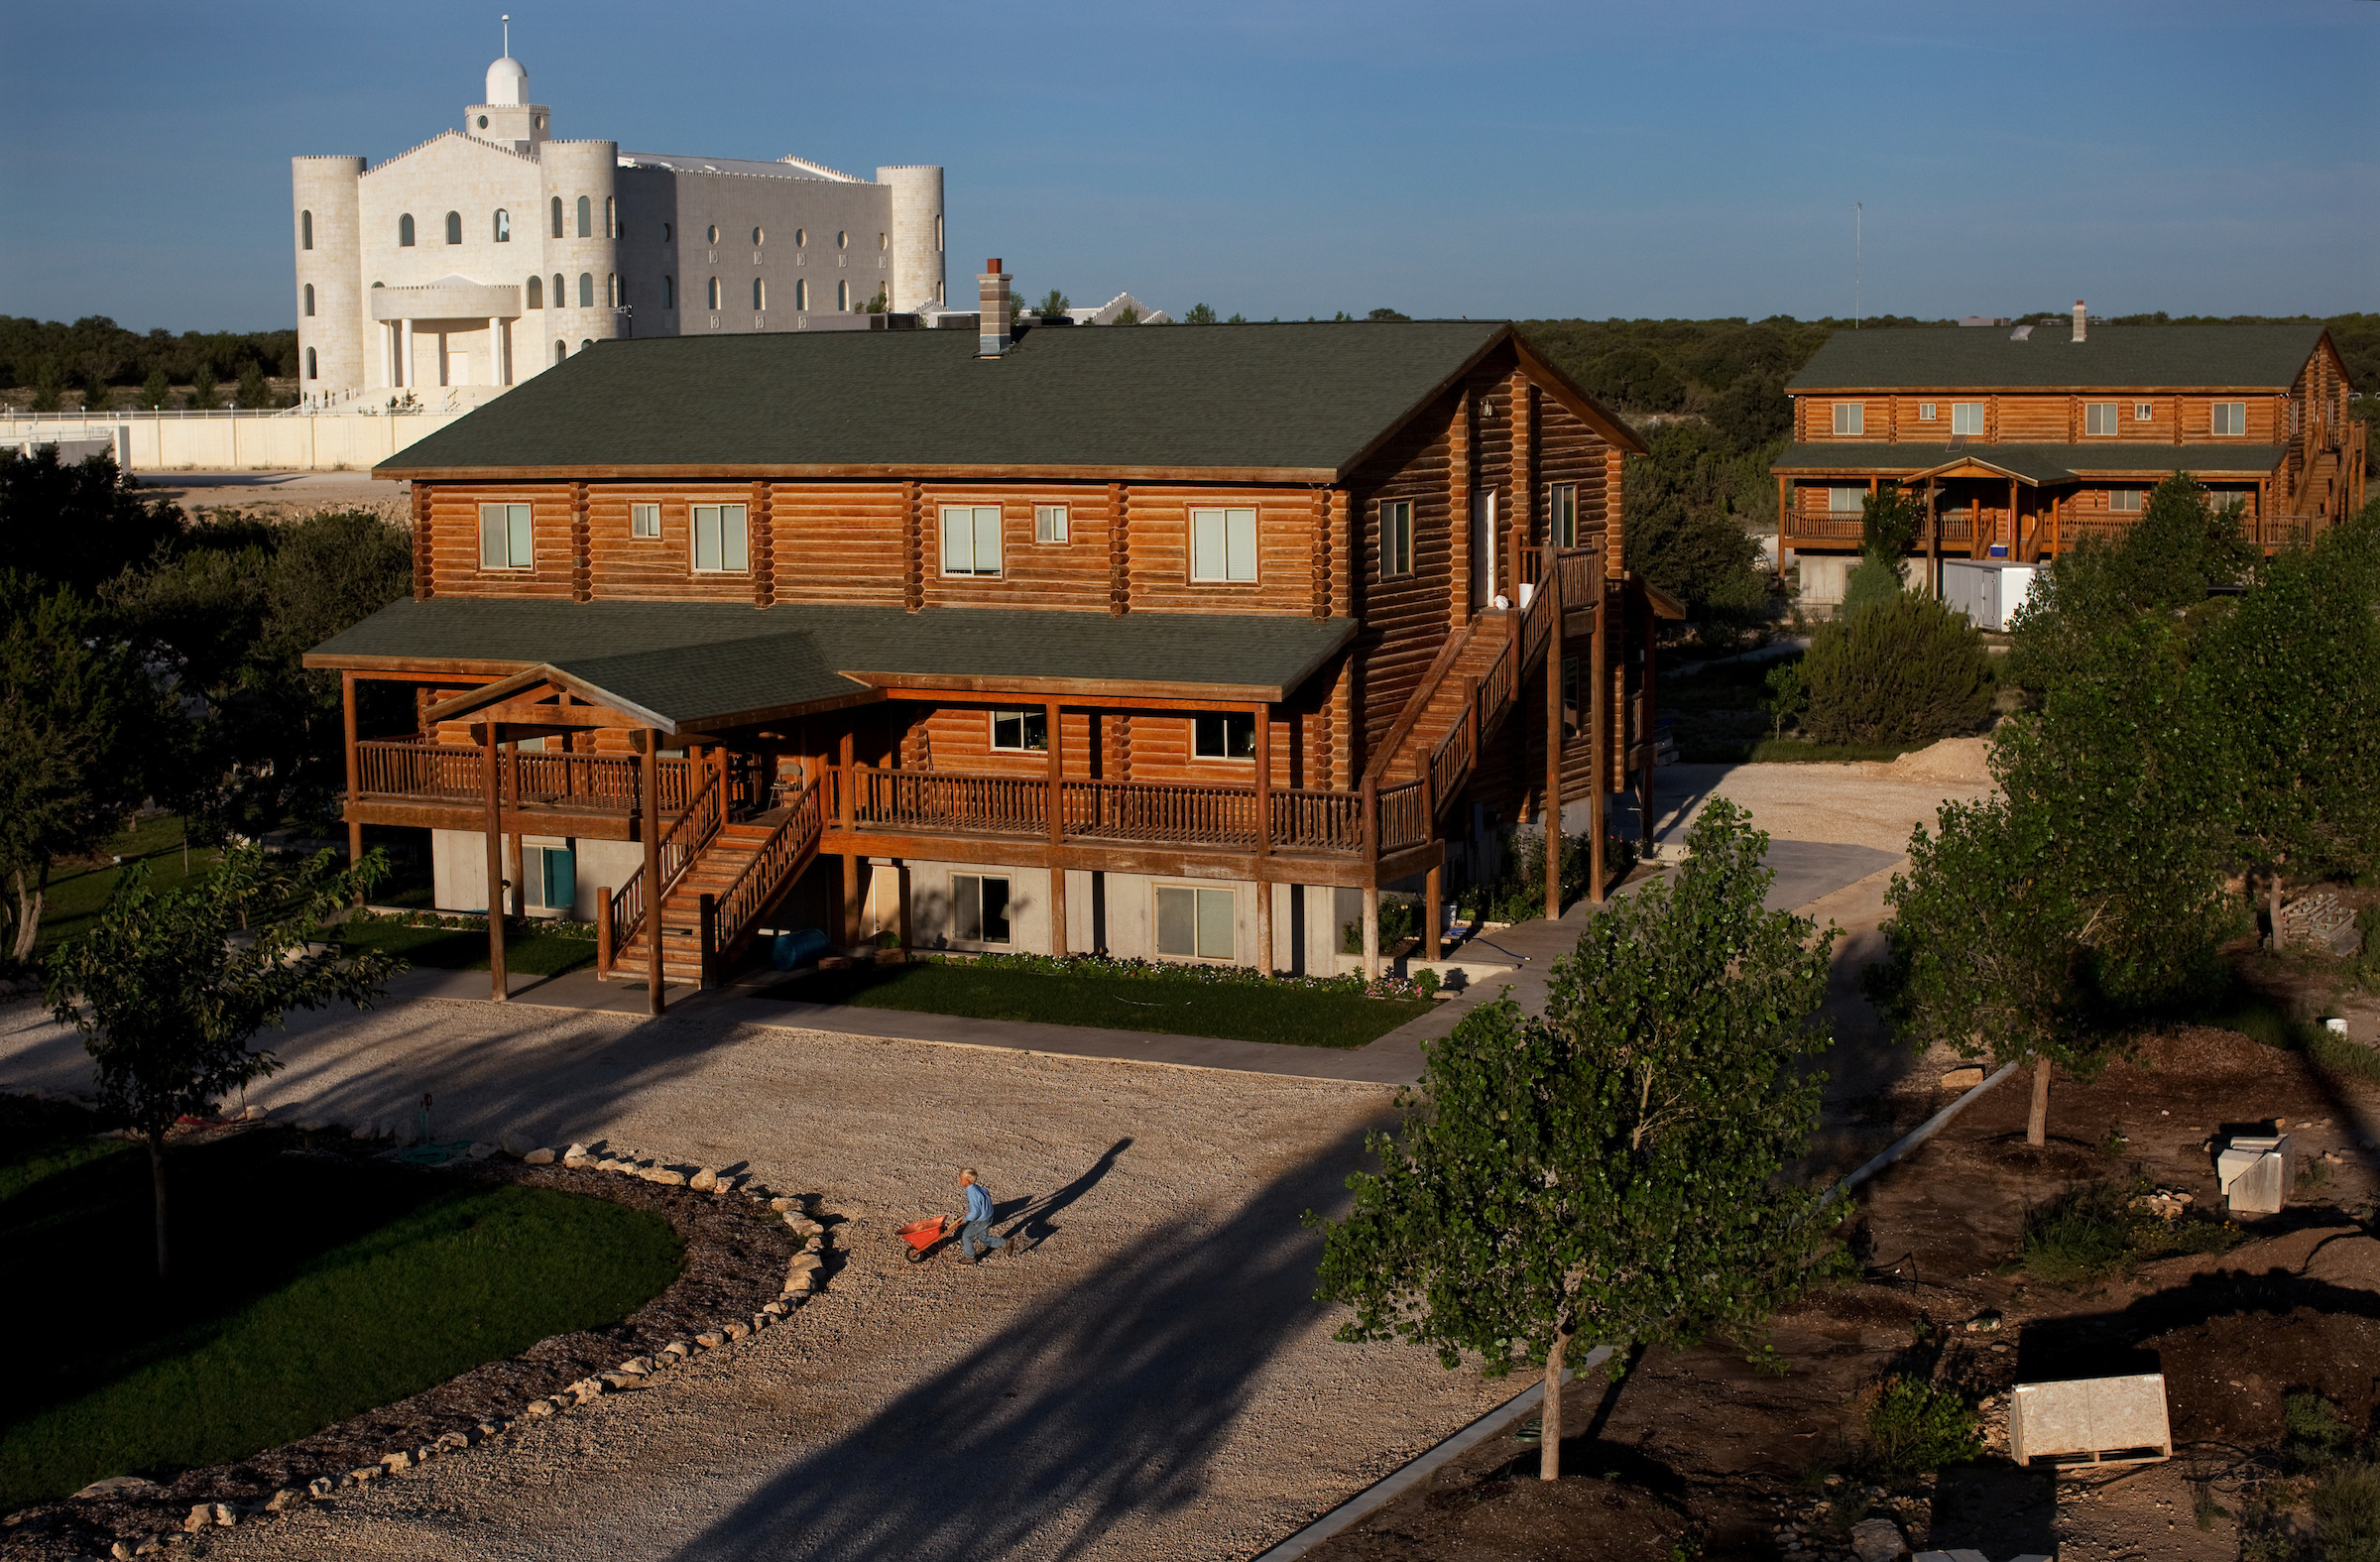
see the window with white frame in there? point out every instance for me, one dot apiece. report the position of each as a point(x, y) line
point(1223, 545)
point(1224, 735)
point(1561, 514)
point(645, 520)
point(2126, 499)
point(2099, 418)
point(1847, 498)
point(503, 537)
point(978, 909)
point(1396, 539)
point(2142, 412)
point(720, 541)
point(1850, 418)
point(1196, 923)
point(2230, 418)
point(1966, 417)
point(1021, 732)
point(971, 539)
point(1925, 413)
point(1049, 522)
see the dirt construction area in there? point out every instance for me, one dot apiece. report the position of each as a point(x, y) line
point(1148, 1377)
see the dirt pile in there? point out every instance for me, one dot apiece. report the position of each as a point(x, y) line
point(1959, 762)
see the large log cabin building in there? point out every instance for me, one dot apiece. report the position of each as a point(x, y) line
point(2020, 440)
point(1175, 643)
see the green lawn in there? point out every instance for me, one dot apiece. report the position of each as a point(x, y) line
point(78, 892)
point(531, 952)
point(1238, 1010)
point(306, 1290)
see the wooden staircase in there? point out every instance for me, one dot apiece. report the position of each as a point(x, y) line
point(1443, 696)
point(725, 878)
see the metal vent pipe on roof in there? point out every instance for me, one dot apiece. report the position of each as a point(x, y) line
point(991, 328)
point(2082, 321)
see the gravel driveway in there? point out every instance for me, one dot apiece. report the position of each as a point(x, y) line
point(1150, 1379)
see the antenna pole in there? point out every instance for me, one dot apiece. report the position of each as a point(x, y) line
point(1858, 236)
point(508, 35)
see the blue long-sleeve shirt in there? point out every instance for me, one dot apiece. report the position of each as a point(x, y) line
point(979, 1203)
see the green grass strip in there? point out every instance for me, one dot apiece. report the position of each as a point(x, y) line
point(1239, 1012)
point(526, 952)
point(306, 1290)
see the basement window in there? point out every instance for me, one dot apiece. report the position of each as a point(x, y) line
point(719, 537)
point(1195, 924)
point(1021, 732)
point(978, 909)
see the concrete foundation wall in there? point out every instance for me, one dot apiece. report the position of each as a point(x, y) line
point(1113, 913)
point(458, 865)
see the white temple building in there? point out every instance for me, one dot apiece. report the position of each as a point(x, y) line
point(481, 256)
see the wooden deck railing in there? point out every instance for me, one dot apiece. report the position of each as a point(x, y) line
point(944, 802)
point(778, 859)
point(1183, 812)
point(1317, 821)
point(450, 773)
point(681, 843)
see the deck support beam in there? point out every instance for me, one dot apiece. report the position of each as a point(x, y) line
point(1056, 814)
point(1599, 745)
point(649, 776)
point(1552, 744)
point(499, 988)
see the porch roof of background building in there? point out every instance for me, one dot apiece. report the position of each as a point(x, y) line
point(703, 667)
point(1301, 402)
point(2035, 463)
point(2111, 358)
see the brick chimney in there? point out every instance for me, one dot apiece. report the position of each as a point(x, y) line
point(2082, 321)
point(992, 329)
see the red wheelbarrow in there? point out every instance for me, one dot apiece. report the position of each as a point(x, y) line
point(921, 1235)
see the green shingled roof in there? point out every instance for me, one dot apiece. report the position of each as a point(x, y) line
point(703, 665)
point(2110, 357)
point(1306, 397)
point(2042, 463)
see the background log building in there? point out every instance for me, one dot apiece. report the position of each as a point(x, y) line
point(2019, 441)
point(1176, 643)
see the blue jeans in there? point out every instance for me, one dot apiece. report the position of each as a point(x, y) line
point(978, 1233)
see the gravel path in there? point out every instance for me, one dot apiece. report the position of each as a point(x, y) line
point(1151, 1378)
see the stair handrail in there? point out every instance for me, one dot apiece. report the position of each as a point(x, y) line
point(795, 835)
point(1533, 634)
point(1418, 704)
point(680, 844)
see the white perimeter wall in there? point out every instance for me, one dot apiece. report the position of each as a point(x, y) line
point(259, 442)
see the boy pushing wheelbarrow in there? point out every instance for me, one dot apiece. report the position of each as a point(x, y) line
point(975, 1227)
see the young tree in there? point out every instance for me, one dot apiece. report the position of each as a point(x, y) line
point(1052, 305)
point(77, 713)
point(155, 389)
point(253, 392)
point(168, 989)
point(1200, 314)
point(1615, 1171)
point(202, 387)
point(1906, 669)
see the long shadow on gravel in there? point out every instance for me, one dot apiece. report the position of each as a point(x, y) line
point(1105, 1400)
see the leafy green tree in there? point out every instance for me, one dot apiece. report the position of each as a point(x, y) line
point(1127, 316)
point(202, 386)
point(1889, 524)
point(2293, 664)
point(1788, 695)
point(1904, 669)
point(1685, 532)
point(1618, 1170)
point(46, 398)
point(80, 524)
point(96, 397)
point(168, 989)
point(1053, 304)
point(1387, 315)
point(157, 390)
point(1237, 320)
point(77, 716)
point(1200, 314)
point(2181, 546)
point(253, 392)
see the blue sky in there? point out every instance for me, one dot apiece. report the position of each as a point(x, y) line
point(1293, 159)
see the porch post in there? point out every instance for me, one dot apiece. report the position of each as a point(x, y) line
point(1056, 808)
point(1264, 800)
point(849, 919)
point(1372, 931)
point(1433, 915)
point(2012, 523)
point(1599, 748)
point(1553, 745)
point(1934, 548)
point(495, 834)
point(1651, 732)
point(355, 829)
point(651, 788)
point(1372, 884)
